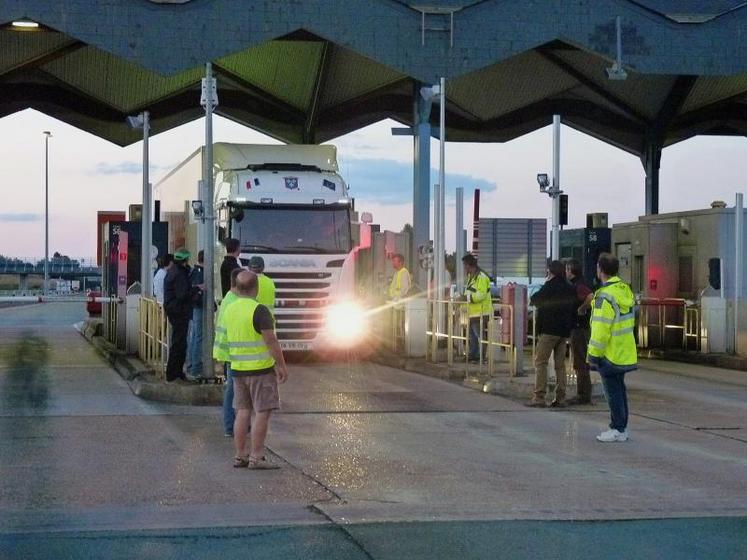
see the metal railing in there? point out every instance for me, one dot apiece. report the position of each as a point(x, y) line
point(496, 333)
point(397, 326)
point(664, 323)
point(153, 342)
point(109, 317)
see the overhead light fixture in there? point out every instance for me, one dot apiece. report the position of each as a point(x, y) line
point(24, 24)
point(616, 71)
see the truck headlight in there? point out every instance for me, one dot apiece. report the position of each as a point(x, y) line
point(346, 323)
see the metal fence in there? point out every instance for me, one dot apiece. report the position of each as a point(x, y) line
point(155, 331)
point(668, 324)
point(452, 342)
point(109, 317)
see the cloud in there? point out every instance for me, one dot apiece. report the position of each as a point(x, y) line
point(390, 182)
point(125, 168)
point(20, 217)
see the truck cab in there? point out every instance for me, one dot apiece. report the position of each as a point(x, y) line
point(289, 205)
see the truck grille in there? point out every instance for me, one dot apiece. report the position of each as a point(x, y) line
point(301, 285)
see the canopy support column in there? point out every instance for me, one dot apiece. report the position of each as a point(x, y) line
point(651, 160)
point(421, 193)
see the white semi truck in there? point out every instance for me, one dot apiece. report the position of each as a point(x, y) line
point(289, 205)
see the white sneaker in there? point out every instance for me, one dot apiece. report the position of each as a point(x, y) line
point(612, 436)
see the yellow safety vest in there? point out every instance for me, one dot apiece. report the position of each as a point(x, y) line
point(395, 286)
point(246, 347)
point(266, 293)
point(613, 324)
point(478, 295)
point(220, 346)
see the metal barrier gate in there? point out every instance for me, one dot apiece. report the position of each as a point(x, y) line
point(496, 333)
point(667, 323)
point(155, 333)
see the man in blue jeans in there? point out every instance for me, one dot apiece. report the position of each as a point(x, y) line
point(612, 347)
point(194, 338)
point(220, 354)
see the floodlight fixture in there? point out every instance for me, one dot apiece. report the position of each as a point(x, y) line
point(429, 93)
point(616, 71)
point(136, 121)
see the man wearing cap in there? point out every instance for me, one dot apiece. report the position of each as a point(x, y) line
point(177, 302)
point(266, 294)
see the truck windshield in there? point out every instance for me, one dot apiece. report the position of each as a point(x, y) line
point(303, 229)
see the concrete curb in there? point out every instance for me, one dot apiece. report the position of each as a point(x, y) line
point(726, 361)
point(141, 379)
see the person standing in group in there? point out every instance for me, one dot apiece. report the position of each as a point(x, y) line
point(194, 338)
point(480, 305)
point(178, 304)
point(556, 308)
point(266, 287)
point(580, 333)
point(257, 367)
point(166, 262)
point(230, 262)
point(612, 347)
point(399, 287)
point(221, 354)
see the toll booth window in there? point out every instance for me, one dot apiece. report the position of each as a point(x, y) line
point(302, 230)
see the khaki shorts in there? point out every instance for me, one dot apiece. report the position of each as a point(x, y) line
point(255, 392)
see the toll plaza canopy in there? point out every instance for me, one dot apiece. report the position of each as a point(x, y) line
point(310, 71)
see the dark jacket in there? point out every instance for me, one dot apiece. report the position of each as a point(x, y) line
point(556, 307)
point(177, 293)
point(228, 265)
point(582, 289)
point(197, 277)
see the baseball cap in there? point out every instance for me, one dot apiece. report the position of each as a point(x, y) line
point(256, 263)
point(182, 255)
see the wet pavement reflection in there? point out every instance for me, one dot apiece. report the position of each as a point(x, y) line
point(26, 379)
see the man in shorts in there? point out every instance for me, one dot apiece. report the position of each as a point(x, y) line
point(257, 367)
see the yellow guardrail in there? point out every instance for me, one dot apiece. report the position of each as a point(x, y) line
point(496, 334)
point(155, 331)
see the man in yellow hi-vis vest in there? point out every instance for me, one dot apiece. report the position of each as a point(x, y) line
point(266, 293)
point(257, 367)
point(612, 347)
point(399, 287)
point(477, 294)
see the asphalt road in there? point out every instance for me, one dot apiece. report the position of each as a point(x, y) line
point(377, 463)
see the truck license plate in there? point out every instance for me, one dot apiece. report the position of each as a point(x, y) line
point(294, 345)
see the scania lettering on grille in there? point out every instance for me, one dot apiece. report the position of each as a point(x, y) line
point(283, 263)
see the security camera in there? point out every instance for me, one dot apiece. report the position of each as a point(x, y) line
point(198, 209)
point(544, 181)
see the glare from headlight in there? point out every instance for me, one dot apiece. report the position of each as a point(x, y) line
point(346, 323)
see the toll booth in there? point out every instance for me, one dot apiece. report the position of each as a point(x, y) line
point(121, 261)
point(585, 246)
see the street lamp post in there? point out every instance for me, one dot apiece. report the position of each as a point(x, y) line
point(552, 189)
point(143, 121)
point(47, 136)
point(209, 100)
